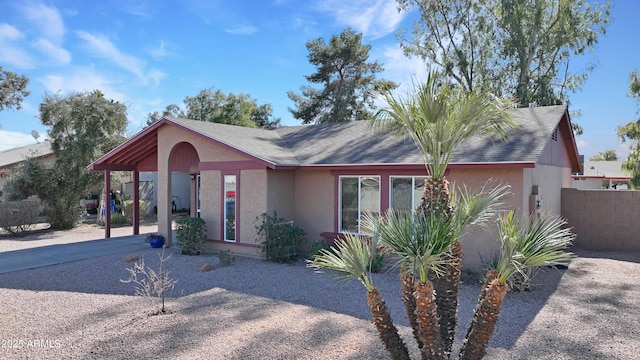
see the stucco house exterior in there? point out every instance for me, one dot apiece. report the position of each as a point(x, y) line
point(11, 158)
point(323, 177)
point(598, 175)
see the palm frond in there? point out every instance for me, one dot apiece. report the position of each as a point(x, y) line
point(480, 207)
point(348, 258)
point(532, 242)
point(419, 240)
point(439, 117)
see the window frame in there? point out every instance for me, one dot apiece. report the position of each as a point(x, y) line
point(224, 207)
point(413, 188)
point(378, 177)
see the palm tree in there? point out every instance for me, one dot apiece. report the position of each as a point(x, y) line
point(352, 257)
point(525, 243)
point(421, 242)
point(439, 118)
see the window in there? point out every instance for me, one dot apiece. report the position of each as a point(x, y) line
point(230, 208)
point(358, 195)
point(406, 193)
point(198, 182)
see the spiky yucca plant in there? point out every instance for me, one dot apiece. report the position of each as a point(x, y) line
point(352, 257)
point(525, 243)
point(438, 117)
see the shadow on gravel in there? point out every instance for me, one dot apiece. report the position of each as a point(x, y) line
point(261, 280)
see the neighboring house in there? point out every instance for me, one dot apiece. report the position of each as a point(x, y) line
point(10, 159)
point(324, 177)
point(602, 175)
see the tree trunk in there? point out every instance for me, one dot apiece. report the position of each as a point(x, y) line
point(485, 318)
point(387, 331)
point(436, 197)
point(447, 289)
point(407, 280)
point(427, 315)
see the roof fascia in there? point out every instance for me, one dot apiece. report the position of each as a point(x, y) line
point(266, 163)
point(122, 147)
point(421, 166)
point(571, 142)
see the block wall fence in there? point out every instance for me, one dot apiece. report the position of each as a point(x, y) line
point(607, 220)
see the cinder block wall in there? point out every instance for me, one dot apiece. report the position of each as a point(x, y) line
point(603, 219)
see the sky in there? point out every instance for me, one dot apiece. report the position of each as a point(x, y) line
point(148, 54)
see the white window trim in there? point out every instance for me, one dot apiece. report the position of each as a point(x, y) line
point(413, 186)
point(359, 196)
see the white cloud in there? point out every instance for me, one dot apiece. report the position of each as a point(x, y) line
point(58, 54)
point(242, 30)
point(374, 18)
point(12, 139)
point(401, 69)
point(12, 53)
point(80, 80)
point(159, 52)
point(10, 32)
point(100, 46)
point(47, 19)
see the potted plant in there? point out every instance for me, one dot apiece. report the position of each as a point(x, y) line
point(155, 240)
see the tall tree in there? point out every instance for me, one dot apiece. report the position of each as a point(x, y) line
point(438, 118)
point(12, 89)
point(631, 132)
point(607, 155)
point(349, 81)
point(215, 106)
point(82, 127)
point(520, 49)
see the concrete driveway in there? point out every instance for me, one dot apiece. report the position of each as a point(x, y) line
point(45, 247)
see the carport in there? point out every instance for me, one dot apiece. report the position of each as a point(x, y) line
point(140, 154)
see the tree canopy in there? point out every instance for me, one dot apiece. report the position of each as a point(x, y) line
point(607, 155)
point(82, 127)
point(631, 132)
point(12, 89)
point(520, 49)
point(216, 106)
point(348, 80)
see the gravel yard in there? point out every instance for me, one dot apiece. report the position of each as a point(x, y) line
point(258, 310)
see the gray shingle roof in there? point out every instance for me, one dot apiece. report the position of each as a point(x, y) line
point(355, 143)
point(19, 154)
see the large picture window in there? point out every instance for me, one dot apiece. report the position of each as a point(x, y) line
point(406, 193)
point(230, 208)
point(358, 195)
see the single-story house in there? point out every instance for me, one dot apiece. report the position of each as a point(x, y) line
point(11, 158)
point(324, 177)
point(598, 175)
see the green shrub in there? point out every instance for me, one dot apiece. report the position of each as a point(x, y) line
point(191, 234)
point(127, 206)
point(377, 263)
point(226, 258)
point(316, 246)
point(281, 237)
point(17, 217)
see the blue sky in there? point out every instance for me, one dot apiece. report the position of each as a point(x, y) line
point(148, 54)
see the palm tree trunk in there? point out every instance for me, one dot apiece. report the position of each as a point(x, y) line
point(387, 331)
point(436, 197)
point(447, 288)
point(427, 315)
point(407, 280)
point(485, 318)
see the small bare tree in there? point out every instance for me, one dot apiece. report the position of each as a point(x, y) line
point(150, 283)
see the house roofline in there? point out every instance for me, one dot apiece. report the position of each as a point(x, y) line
point(420, 166)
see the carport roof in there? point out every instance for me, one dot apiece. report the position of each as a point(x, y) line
point(352, 144)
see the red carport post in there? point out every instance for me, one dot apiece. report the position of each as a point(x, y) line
point(107, 204)
point(136, 202)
